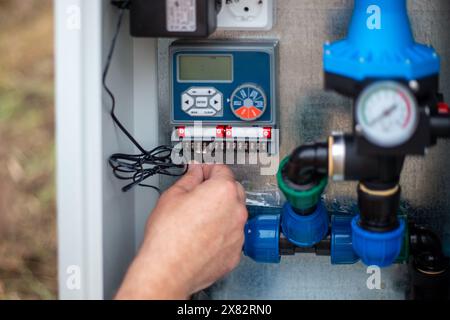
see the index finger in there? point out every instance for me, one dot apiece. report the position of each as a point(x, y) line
point(218, 171)
point(193, 177)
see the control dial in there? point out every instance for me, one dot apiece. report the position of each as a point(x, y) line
point(248, 102)
point(387, 114)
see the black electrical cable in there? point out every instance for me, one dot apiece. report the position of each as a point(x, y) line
point(121, 4)
point(139, 167)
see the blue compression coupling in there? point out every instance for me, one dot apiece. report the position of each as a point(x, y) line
point(262, 239)
point(305, 231)
point(380, 44)
point(377, 248)
point(341, 240)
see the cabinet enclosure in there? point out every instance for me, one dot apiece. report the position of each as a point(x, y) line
point(100, 228)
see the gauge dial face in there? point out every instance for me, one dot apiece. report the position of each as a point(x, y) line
point(248, 102)
point(387, 114)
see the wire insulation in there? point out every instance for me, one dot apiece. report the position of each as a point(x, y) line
point(138, 167)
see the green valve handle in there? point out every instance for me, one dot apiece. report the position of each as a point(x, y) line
point(298, 199)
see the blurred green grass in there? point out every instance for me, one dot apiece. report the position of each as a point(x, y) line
point(27, 156)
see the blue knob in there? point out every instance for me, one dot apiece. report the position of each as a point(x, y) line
point(341, 240)
point(304, 231)
point(377, 248)
point(262, 237)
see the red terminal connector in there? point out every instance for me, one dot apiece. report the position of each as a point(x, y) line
point(443, 108)
point(181, 132)
point(220, 131)
point(229, 131)
point(267, 132)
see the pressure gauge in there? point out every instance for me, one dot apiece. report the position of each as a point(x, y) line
point(387, 114)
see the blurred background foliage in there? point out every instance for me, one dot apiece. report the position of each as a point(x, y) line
point(27, 160)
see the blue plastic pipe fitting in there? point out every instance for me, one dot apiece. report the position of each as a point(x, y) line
point(377, 248)
point(262, 239)
point(341, 240)
point(380, 44)
point(304, 231)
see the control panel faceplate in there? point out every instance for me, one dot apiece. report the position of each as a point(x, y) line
point(224, 82)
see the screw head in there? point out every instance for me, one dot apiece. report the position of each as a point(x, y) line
point(414, 85)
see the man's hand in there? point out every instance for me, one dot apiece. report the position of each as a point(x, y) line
point(193, 237)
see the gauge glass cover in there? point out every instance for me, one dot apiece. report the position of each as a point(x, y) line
point(387, 114)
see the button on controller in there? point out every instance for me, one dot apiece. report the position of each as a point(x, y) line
point(187, 102)
point(216, 102)
point(202, 102)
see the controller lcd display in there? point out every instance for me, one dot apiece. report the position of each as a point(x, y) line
point(205, 68)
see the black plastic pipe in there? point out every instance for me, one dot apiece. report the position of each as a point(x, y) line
point(307, 165)
point(379, 213)
point(368, 168)
point(429, 268)
point(440, 127)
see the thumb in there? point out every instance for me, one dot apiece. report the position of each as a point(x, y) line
point(192, 178)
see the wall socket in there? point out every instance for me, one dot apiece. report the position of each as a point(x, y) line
point(247, 15)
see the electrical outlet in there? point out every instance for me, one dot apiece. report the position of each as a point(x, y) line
point(247, 15)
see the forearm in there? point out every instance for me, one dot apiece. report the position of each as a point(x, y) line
point(191, 240)
point(149, 278)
